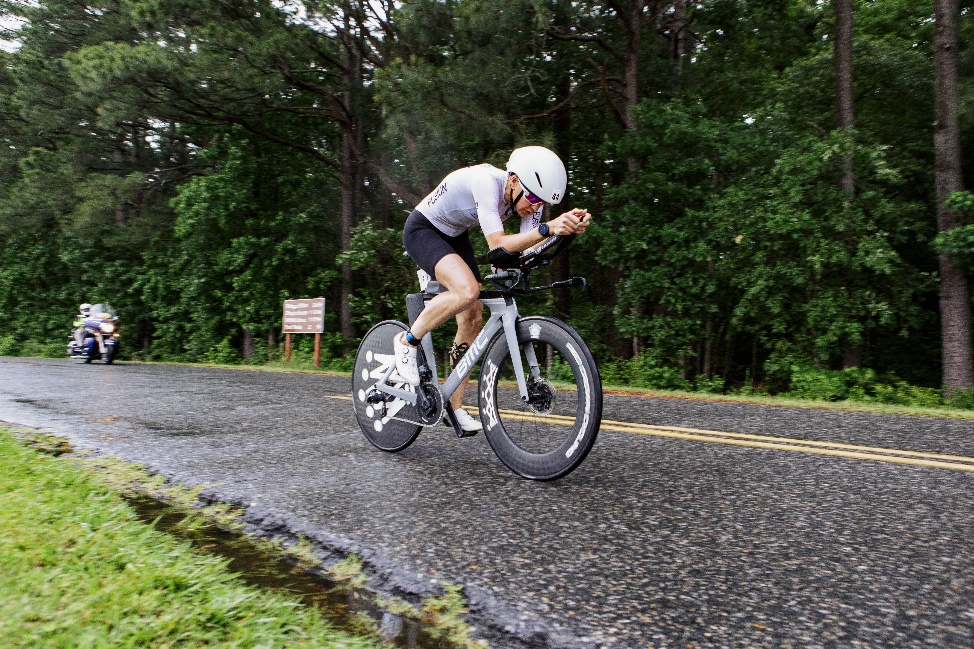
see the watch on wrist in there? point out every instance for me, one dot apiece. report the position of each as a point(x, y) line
point(544, 231)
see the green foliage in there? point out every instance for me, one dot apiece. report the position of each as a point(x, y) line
point(446, 615)
point(803, 259)
point(962, 399)
point(958, 242)
point(42, 350)
point(332, 356)
point(223, 353)
point(387, 276)
point(196, 162)
point(9, 346)
point(79, 569)
point(644, 371)
point(856, 384)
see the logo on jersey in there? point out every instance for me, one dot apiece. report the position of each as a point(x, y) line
point(436, 195)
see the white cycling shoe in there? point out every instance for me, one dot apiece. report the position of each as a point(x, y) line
point(468, 423)
point(406, 363)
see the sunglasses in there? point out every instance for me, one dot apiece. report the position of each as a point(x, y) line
point(534, 200)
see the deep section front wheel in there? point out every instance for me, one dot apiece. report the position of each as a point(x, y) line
point(388, 422)
point(549, 435)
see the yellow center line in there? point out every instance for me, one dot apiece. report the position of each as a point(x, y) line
point(814, 447)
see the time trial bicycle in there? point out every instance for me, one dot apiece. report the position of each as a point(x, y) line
point(540, 404)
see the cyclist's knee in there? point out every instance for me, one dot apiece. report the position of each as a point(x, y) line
point(467, 294)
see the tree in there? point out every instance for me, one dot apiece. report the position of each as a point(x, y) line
point(844, 106)
point(955, 308)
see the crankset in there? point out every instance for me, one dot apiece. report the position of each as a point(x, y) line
point(429, 403)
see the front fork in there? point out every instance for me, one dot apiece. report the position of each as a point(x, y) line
point(510, 333)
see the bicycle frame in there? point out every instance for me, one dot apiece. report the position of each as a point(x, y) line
point(503, 315)
point(519, 430)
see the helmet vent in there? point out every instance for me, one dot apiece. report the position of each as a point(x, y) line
point(540, 184)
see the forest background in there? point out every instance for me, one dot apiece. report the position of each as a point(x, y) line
point(766, 176)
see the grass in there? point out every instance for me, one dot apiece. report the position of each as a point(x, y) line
point(446, 615)
point(78, 569)
point(108, 477)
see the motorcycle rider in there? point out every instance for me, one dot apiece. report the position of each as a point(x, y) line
point(79, 323)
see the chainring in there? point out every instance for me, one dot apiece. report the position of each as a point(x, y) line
point(433, 410)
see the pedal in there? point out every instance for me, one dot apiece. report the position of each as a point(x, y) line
point(452, 420)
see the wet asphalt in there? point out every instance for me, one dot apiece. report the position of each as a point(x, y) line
point(652, 542)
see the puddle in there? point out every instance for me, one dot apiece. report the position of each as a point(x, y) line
point(342, 607)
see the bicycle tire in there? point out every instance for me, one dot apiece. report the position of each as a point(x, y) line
point(389, 426)
point(541, 440)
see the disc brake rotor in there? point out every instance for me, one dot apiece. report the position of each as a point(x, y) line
point(541, 396)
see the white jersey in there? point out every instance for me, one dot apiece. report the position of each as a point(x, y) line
point(472, 196)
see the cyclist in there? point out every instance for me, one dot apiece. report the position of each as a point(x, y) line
point(436, 238)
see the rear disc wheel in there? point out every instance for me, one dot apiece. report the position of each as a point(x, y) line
point(390, 424)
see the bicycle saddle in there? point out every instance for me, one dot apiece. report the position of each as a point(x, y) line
point(434, 288)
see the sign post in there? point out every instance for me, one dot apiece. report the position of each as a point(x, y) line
point(304, 316)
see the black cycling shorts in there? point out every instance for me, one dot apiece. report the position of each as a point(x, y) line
point(426, 245)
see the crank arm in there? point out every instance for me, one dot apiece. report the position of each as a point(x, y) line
point(385, 388)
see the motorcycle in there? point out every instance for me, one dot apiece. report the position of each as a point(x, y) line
point(99, 336)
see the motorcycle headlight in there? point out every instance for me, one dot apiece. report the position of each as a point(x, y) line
point(107, 327)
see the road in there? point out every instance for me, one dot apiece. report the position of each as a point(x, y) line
point(687, 526)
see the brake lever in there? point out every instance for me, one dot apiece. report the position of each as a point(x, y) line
point(567, 283)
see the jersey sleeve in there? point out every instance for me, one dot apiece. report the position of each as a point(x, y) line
point(484, 192)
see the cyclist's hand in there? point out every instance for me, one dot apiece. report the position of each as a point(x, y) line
point(571, 222)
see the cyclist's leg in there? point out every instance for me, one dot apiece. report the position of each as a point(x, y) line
point(463, 291)
point(454, 265)
point(451, 260)
point(469, 323)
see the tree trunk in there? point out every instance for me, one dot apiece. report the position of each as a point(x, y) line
point(955, 300)
point(348, 180)
point(247, 349)
point(845, 120)
point(678, 37)
point(707, 367)
point(842, 59)
point(630, 91)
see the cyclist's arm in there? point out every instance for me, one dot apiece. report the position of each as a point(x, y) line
point(514, 242)
point(571, 222)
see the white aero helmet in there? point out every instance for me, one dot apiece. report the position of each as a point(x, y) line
point(85, 308)
point(540, 171)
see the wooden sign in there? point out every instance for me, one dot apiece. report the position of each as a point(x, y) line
point(304, 316)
